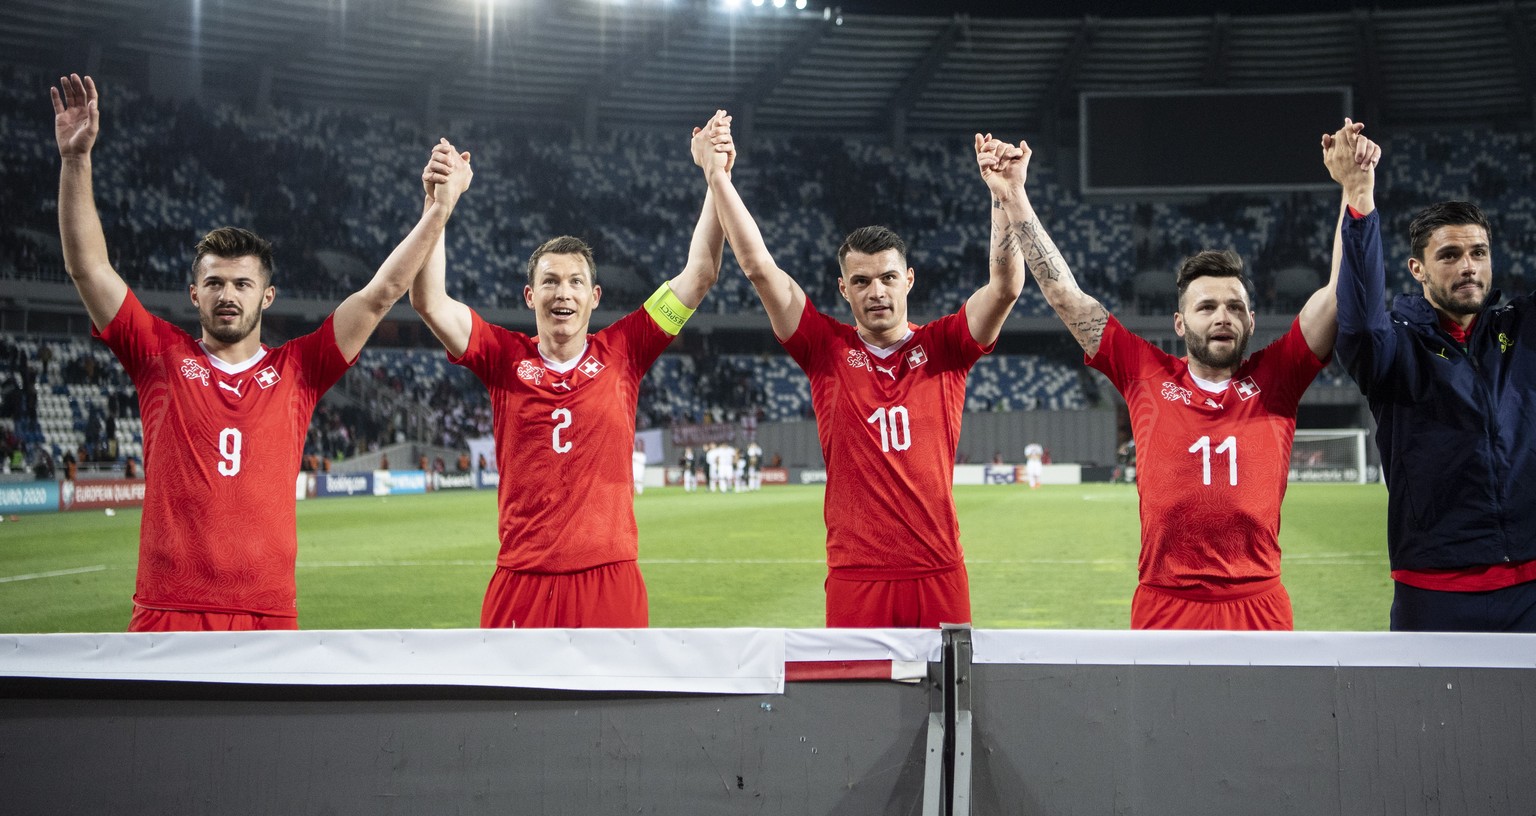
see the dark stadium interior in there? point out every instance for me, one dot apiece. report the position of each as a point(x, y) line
point(309, 122)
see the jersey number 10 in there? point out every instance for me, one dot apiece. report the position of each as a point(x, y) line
point(895, 427)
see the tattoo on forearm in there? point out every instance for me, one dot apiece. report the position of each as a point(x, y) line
point(1040, 254)
point(1089, 328)
point(1011, 238)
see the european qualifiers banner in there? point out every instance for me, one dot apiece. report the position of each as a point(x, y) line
point(100, 494)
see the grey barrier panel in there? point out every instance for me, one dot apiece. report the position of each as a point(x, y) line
point(1061, 740)
point(162, 748)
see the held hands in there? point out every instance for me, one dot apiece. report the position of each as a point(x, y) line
point(1351, 158)
point(447, 174)
point(712, 146)
point(1003, 166)
point(76, 117)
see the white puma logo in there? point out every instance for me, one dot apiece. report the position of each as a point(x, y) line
point(227, 387)
point(565, 384)
point(890, 372)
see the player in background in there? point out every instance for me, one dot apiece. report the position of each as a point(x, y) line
point(637, 467)
point(888, 398)
point(690, 476)
point(1213, 429)
point(563, 404)
point(1033, 465)
point(738, 470)
point(224, 415)
point(754, 466)
point(1450, 375)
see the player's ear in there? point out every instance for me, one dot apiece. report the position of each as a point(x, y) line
point(528, 296)
point(911, 278)
point(842, 287)
point(1178, 324)
point(1416, 269)
point(268, 296)
point(597, 294)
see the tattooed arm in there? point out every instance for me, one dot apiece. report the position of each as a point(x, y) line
point(1002, 167)
point(1085, 317)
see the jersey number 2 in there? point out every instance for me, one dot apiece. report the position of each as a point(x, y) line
point(1228, 446)
point(564, 417)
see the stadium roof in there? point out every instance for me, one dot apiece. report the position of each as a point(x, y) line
point(856, 68)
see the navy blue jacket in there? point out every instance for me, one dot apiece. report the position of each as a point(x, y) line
point(1456, 429)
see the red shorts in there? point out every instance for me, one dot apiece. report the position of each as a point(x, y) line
point(910, 603)
point(611, 596)
point(1267, 609)
point(172, 620)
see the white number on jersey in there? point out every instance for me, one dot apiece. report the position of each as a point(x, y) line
point(564, 417)
point(229, 450)
point(895, 427)
point(1228, 446)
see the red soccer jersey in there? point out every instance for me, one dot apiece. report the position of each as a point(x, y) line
point(222, 445)
point(563, 442)
point(1211, 468)
point(889, 422)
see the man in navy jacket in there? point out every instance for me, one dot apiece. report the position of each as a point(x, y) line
point(1451, 379)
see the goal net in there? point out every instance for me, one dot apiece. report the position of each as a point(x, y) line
point(1336, 455)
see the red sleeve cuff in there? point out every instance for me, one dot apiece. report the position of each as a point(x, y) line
point(1354, 213)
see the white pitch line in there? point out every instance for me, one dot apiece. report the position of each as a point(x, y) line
point(51, 573)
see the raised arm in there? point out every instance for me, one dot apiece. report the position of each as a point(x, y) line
point(448, 319)
point(1002, 167)
point(711, 145)
point(76, 121)
point(360, 313)
point(782, 298)
point(1085, 317)
point(1351, 160)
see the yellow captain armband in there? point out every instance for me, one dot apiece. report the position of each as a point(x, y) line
point(668, 312)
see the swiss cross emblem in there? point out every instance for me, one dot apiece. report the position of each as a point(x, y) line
point(591, 367)
point(858, 359)
point(916, 357)
point(1246, 387)
point(267, 377)
point(193, 370)
point(528, 371)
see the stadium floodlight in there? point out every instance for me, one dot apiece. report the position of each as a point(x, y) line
point(731, 5)
point(800, 4)
point(778, 3)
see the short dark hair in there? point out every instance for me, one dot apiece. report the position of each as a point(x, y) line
point(871, 241)
point(1443, 214)
point(564, 245)
point(1211, 263)
point(234, 242)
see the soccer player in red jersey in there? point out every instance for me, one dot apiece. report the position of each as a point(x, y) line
point(563, 403)
point(1213, 429)
point(888, 397)
point(224, 416)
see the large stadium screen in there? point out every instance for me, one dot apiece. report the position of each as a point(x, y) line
point(1207, 141)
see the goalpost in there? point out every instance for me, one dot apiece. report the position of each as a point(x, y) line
point(1329, 455)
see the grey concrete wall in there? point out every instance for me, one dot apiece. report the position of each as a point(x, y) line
point(161, 748)
point(1192, 741)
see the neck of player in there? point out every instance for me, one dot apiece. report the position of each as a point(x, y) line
point(237, 352)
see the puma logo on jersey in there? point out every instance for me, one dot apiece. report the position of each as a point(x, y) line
point(227, 387)
point(193, 370)
point(1210, 403)
point(561, 385)
point(890, 372)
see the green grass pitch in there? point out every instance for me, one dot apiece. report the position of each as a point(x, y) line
point(1057, 557)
